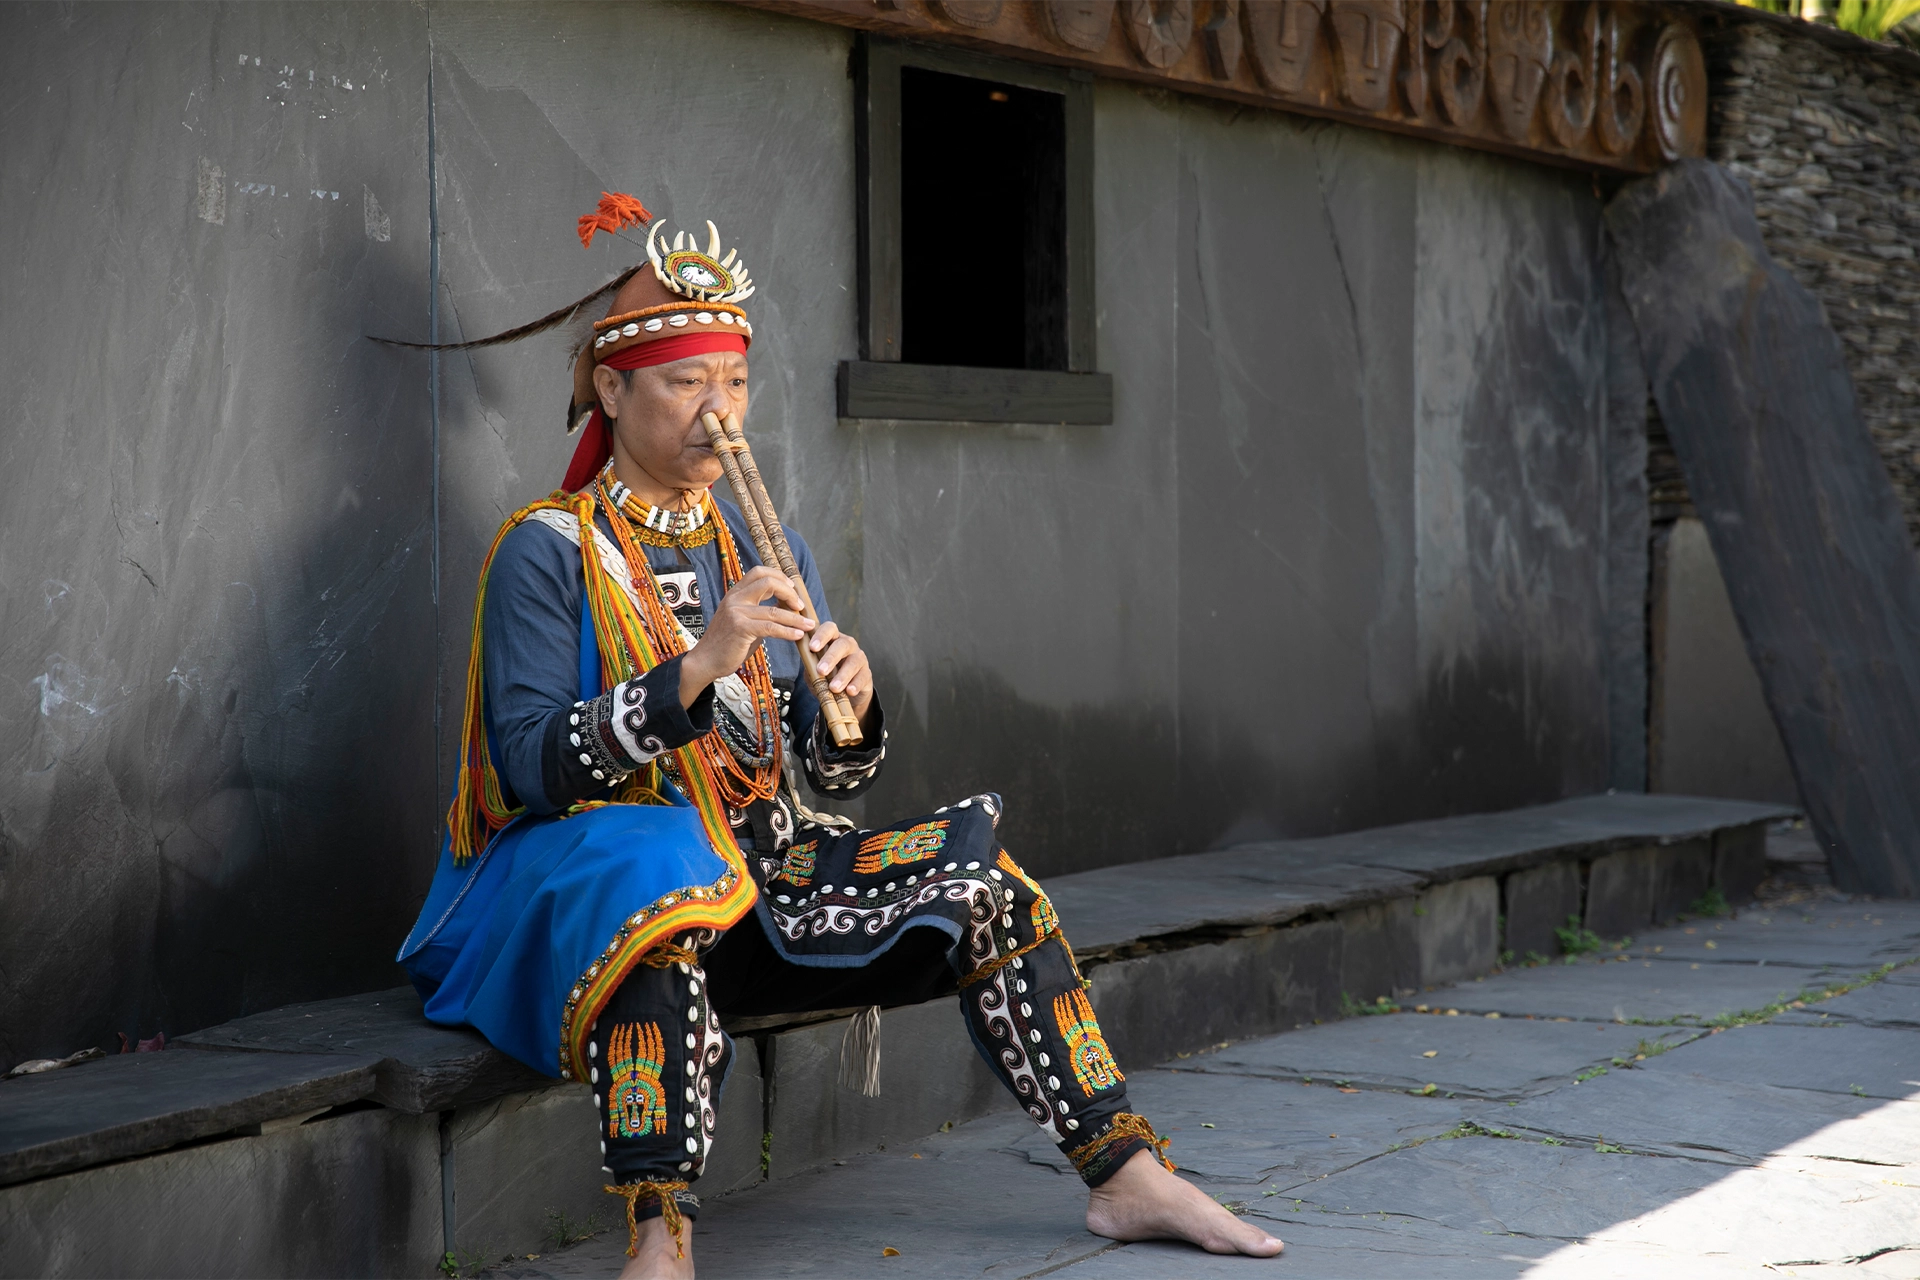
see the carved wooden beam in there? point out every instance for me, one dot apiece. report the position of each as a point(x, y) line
point(1614, 86)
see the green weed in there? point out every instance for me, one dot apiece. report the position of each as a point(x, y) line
point(1576, 939)
point(1352, 1008)
point(1711, 903)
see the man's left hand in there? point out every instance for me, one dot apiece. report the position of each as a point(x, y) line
point(843, 662)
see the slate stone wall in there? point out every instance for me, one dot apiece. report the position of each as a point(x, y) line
point(1341, 559)
point(1825, 128)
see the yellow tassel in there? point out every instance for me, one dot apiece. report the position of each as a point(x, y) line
point(669, 1212)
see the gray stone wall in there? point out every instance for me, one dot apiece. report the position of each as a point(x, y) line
point(1340, 560)
point(1825, 128)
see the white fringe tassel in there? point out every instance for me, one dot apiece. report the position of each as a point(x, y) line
point(860, 1053)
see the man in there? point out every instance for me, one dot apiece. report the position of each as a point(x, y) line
point(627, 857)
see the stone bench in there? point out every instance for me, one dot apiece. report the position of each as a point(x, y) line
point(350, 1136)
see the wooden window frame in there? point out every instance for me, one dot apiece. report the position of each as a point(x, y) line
point(879, 384)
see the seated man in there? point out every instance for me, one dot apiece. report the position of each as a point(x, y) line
point(627, 857)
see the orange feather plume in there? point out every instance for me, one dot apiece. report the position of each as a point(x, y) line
point(616, 210)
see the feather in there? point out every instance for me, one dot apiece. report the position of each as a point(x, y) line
point(551, 320)
point(615, 211)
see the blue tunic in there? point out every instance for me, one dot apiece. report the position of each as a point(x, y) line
point(505, 942)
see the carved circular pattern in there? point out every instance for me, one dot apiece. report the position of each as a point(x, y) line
point(1159, 29)
point(1679, 95)
point(968, 13)
point(1079, 24)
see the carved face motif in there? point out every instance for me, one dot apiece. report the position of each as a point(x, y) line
point(1519, 49)
point(1368, 33)
point(1282, 38)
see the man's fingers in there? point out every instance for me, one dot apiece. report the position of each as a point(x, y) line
point(836, 653)
point(763, 582)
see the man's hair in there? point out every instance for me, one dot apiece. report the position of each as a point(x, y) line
point(626, 378)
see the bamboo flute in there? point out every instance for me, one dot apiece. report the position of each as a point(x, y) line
point(770, 540)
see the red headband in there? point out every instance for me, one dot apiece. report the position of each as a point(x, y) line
point(596, 440)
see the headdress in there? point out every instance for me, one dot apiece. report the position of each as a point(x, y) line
point(682, 301)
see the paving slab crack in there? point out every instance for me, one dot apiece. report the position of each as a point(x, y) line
point(1108, 1247)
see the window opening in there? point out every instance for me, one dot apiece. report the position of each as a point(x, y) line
point(983, 204)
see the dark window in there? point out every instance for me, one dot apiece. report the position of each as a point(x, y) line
point(983, 223)
point(976, 240)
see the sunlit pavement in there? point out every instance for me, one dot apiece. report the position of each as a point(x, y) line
point(1724, 1097)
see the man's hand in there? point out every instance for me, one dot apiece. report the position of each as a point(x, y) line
point(743, 618)
point(843, 662)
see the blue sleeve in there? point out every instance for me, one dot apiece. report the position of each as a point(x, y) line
point(553, 742)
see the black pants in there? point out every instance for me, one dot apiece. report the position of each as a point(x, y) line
point(659, 1057)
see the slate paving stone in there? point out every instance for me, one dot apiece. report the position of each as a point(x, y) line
point(1328, 1247)
point(132, 1104)
point(1640, 990)
point(1882, 1004)
point(1843, 935)
point(1477, 1057)
point(958, 1203)
point(1837, 1058)
point(1117, 905)
point(1271, 1133)
point(1709, 1120)
point(1504, 1186)
point(420, 1067)
point(1771, 1218)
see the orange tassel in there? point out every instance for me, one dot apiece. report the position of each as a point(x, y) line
point(616, 210)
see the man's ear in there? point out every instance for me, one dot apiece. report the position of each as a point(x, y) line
point(606, 383)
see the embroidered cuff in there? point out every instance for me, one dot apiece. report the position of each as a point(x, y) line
point(603, 739)
point(844, 773)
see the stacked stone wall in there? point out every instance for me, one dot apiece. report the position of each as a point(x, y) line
point(1826, 130)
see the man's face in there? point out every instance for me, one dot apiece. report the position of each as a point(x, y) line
point(656, 414)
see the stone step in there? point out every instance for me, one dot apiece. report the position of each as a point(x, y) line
point(1182, 953)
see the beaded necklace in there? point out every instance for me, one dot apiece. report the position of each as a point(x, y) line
point(739, 782)
point(657, 526)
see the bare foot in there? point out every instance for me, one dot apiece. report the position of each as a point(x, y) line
point(1145, 1202)
point(658, 1257)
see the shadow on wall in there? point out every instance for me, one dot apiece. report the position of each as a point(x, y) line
point(1709, 732)
point(1094, 786)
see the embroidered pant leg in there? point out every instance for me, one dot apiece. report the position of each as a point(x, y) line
point(1020, 993)
point(1027, 1009)
point(658, 1061)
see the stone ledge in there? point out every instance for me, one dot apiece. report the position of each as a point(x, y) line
point(139, 1103)
point(1181, 953)
point(417, 1066)
point(1276, 882)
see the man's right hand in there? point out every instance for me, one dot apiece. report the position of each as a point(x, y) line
point(745, 617)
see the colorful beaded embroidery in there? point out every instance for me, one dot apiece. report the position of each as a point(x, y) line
point(797, 869)
point(1045, 920)
point(896, 848)
point(636, 1106)
point(1093, 1064)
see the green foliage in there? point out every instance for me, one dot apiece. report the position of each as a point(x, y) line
point(1589, 1074)
point(564, 1230)
point(1575, 939)
point(1607, 1148)
point(1713, 902)
point(1352, 1008)
point(1878, 19)
point(1874, 19)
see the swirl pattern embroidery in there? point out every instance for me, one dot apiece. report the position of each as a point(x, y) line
point(636, 1107)
point(1093, 1064)
point(630, 718)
